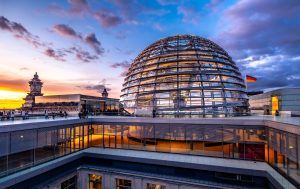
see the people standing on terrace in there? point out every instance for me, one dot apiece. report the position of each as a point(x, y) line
point(1, 116)
point(46, 114)
point(26, 115)
point(8, 115)
point(23, 114)
point(12, 115)
point(153, 113)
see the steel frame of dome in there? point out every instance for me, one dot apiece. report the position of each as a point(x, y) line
point(184, 76)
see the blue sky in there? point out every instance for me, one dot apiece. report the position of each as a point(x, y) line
point(80, 46)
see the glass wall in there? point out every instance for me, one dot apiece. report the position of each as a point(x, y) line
point(194, 78)
point(26, 148)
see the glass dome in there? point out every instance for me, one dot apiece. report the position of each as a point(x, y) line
point(184, 76)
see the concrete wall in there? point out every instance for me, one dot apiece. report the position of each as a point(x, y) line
point(137, 182)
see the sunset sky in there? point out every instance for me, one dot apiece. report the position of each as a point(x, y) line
point(80, 46)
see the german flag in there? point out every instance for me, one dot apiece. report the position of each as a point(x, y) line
point(250, 79)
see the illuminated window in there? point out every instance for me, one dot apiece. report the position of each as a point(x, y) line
point(123, 184)
point(274, 104)
point(155, 186)
point(95, 181)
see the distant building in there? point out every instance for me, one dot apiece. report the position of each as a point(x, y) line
point(285, 100)
point(35, 85)
point(72, 103)
point(76, 103)
point(104, 93)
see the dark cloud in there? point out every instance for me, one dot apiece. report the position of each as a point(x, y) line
point(76, 8)
point(127, 52)
point(79, 6)
point(91, 39)
point(83, 56)
point(258, 27)
point(120, 11)
point(20, 32)
point(66, 30)
point(277, 74)
point(14, 27)
point(96, 87)
point(94, 43)
point(56, 54)
point(125, 65)
point(5, 23)
point(78, 53)
point(107, 18)
point(128, 8)
point(263, 37)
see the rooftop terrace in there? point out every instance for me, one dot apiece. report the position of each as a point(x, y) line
point(272, 140)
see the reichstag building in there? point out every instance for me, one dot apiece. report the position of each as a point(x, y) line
point(184, 76)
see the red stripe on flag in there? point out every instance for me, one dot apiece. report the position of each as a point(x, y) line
point(250, 78)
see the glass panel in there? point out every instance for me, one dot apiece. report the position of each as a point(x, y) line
point(281, 153)
point(4, 143)
point(45, 148)
point(272, 147)
point(298, 157)
point(135, 137)
point(255, 143)
point(21, 148)
point(195, 137)
point(292, 157)
point(110, 136)
point(119, 136)
point(178, 142)
point(77, 138)
point(62, 143)
point(213, 145)
point(96, 138)
point(162, 136)
point(231, 138)
point(148, 137)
